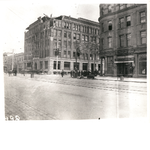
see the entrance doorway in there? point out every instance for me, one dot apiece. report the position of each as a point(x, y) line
point(92, 67)
point(125, 69)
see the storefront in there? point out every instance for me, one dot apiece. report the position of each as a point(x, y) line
point(125, 65)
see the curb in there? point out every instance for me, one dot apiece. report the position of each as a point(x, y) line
point(123, 80)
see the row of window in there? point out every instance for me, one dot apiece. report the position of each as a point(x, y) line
point(128, 40)
point(77, 27)
point(110, 8)
point(124, 21)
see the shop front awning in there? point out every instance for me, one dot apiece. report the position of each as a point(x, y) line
point(129, 61)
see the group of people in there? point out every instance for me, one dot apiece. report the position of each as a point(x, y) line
point(75, 73)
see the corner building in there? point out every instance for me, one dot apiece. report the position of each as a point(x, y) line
point(123, 43)
point(50, 35)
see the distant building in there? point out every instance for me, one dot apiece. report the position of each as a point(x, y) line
point(14, 61)
point(19, 61)
point(123, 32)
point(47, 37)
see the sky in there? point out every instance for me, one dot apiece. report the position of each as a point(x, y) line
point(18, 16)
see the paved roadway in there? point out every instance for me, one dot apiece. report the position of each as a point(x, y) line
point(54, 97)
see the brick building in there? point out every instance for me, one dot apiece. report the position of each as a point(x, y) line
point(123, 32)
point(49, 36)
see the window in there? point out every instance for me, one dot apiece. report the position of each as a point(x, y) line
point(54, 65)
point(86, 38)
point(128, 21)
point(109, 25)
point(129, 39)
point(59, 33)
point(91, 57)
point(89, 29)
point(65, 34)
point(121, 22)
point(83, 37)
point(94, 39)
point(143, 17)
point(65, 44)
point(85, 66)
point(69, 35)
point(66, 65)
point(46, 64)
point(69, 44)
point(69, 54)
point(74, 36)
point(59, 65)
point(59, 44)
point(64, 53)
point(78, 36)
point(110, 42)
point(121, 41)
point(55, 44)
point(143, 37)
point(76, 65)
point(74, 54)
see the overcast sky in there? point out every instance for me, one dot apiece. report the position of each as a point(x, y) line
point(18, 15)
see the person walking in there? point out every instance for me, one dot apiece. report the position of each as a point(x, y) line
point(62, 73)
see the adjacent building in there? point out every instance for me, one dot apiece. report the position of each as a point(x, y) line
point(123, 39)
point(50, 44)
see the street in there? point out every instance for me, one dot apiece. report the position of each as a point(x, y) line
point(55, 98)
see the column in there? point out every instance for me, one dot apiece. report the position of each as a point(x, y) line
point(96, 65)
point(71, 66)
point(43, 66)
point(105, 65)
point(50, 66)
point(80, 66)
point(62, 65)
point(135, 68)
point(115, 67)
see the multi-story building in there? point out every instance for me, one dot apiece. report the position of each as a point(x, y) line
point(123, 32)
point(50, 44)
point(19, 61)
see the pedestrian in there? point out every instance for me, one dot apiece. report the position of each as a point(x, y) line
point(62, 73)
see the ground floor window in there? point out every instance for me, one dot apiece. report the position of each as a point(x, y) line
point(142, 58)
point(124, 69)
point(28, 64)
point(85, 66)
point(59, 63)
point(76, 65)
point(142, 68)
point(99, 67)
point(46, 64)
point(66, 65)
point(54, 65)
point(41, 65)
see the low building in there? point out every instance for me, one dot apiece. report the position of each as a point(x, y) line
point(123, 33)
point(50, 44)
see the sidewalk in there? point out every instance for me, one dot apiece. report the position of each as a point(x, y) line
point(140, 80)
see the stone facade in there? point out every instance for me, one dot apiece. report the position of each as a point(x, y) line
point(48, 35)
point(123, 32)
